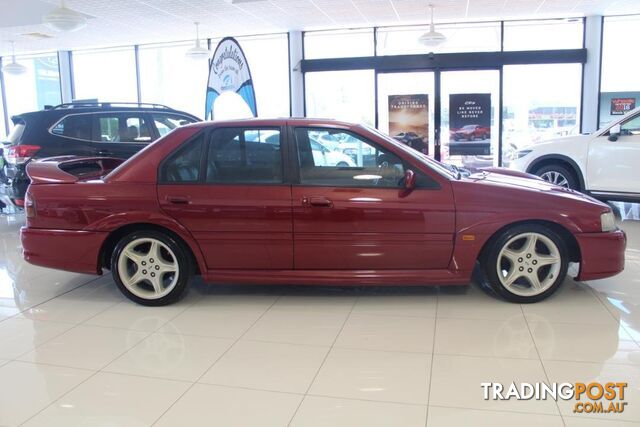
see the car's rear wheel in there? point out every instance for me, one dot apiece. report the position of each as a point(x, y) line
point(526, 263)
point(559, 175)
point(151, 268)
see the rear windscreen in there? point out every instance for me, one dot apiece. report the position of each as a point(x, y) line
point(16, 133)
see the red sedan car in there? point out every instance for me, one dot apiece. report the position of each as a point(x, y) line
point(248, 202)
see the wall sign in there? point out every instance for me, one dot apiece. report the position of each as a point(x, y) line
point(409, 120)
point(229, 75)
point(621, 106)
point(470, 124)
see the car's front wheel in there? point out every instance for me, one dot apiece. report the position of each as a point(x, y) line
point(151, 268)
point(526, 263)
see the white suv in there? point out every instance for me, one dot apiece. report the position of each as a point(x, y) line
point(605, 163)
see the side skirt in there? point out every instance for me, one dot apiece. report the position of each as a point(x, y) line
point(340, 277)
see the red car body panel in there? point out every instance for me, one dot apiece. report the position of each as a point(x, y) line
point(291, 233)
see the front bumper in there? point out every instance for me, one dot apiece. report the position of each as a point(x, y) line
point(70, 250)
point(602, 254)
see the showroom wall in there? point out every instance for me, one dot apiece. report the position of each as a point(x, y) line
point(530, 101)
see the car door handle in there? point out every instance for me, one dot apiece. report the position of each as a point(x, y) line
point(178, 200)
point(103, 152)
point(317, 202)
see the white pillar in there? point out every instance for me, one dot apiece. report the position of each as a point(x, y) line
point(296, 94)
point(591, 77)
point(66, 83)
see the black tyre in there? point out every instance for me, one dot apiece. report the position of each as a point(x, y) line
point(558, 174)
point(526, 263)
point(151, 268)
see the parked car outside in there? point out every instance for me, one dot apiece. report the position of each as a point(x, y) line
point(205, 200)
point(85, 129)
point(603, 163)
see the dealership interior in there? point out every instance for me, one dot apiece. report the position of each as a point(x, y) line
point(543, 87)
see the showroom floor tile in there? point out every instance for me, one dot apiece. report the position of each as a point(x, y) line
point(74, 351)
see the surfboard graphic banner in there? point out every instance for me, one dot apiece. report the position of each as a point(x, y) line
point(229, 72)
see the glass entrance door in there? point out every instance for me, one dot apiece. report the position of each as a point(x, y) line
point(469, 120)
point(406, 108)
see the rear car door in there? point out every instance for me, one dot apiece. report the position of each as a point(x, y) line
point(612, 166)
point(361, 217)
point(121, 134)
point(228, 188)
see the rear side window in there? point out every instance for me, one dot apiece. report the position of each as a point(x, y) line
point(123, 128)
point(241, 156)
point(16, 133)
point(165, 123)
point(76, 126)
point(183, 166)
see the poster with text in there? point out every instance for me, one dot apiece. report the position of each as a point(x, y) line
point(621, 106)
point(409, 120)
point(470, 124)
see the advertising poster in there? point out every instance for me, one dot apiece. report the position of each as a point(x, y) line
point(230, 87)
point(470, 124)
point(409, 120)
point(621, 106)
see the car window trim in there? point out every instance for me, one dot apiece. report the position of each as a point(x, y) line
point(141, 113)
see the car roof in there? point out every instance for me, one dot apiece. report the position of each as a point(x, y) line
point(280, 121)
point(81, 108)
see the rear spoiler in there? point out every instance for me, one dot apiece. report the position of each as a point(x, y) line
point(70, 169)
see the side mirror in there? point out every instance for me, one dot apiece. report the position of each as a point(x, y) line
point(409, 180)
point(614, 132)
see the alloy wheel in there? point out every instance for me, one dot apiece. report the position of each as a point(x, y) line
point(148, 268)
point(528, 264)
point(556, 178)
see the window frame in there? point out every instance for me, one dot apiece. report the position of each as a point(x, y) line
point(202, 172)
point(297, 175)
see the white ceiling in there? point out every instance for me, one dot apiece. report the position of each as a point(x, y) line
point(126, 22)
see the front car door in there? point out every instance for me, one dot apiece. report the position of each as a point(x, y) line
point(612, 166)
point(227, 187)
point(360, 217)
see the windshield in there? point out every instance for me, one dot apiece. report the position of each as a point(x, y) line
point(445, 170)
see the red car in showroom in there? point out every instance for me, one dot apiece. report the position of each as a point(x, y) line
point(247, 202)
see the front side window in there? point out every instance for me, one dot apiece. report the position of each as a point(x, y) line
point(123, 128)
point(334, 157)
point(183, 166)
point(76, 126)
point(165, 123)
point(244, 156)
point(631, 126)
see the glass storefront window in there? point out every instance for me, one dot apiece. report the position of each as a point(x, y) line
point(619, 85)
point(475, 37)
point(338, 44)
point(544, 34)
point(31, 91)
point(169, 77)
point(540, 102)
point(105, 74)
point(342, 95)
point(268, 58)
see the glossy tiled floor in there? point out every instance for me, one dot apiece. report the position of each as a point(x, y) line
point(75, 352)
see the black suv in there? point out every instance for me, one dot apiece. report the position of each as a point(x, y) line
point(81, 129)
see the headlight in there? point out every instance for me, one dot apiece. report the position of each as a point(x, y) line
point(520, 153)
point(608, 221)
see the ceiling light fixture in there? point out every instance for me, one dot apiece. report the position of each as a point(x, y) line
point(432, 38)
point(198, 52)
point(64, 19)
point(13, 67)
